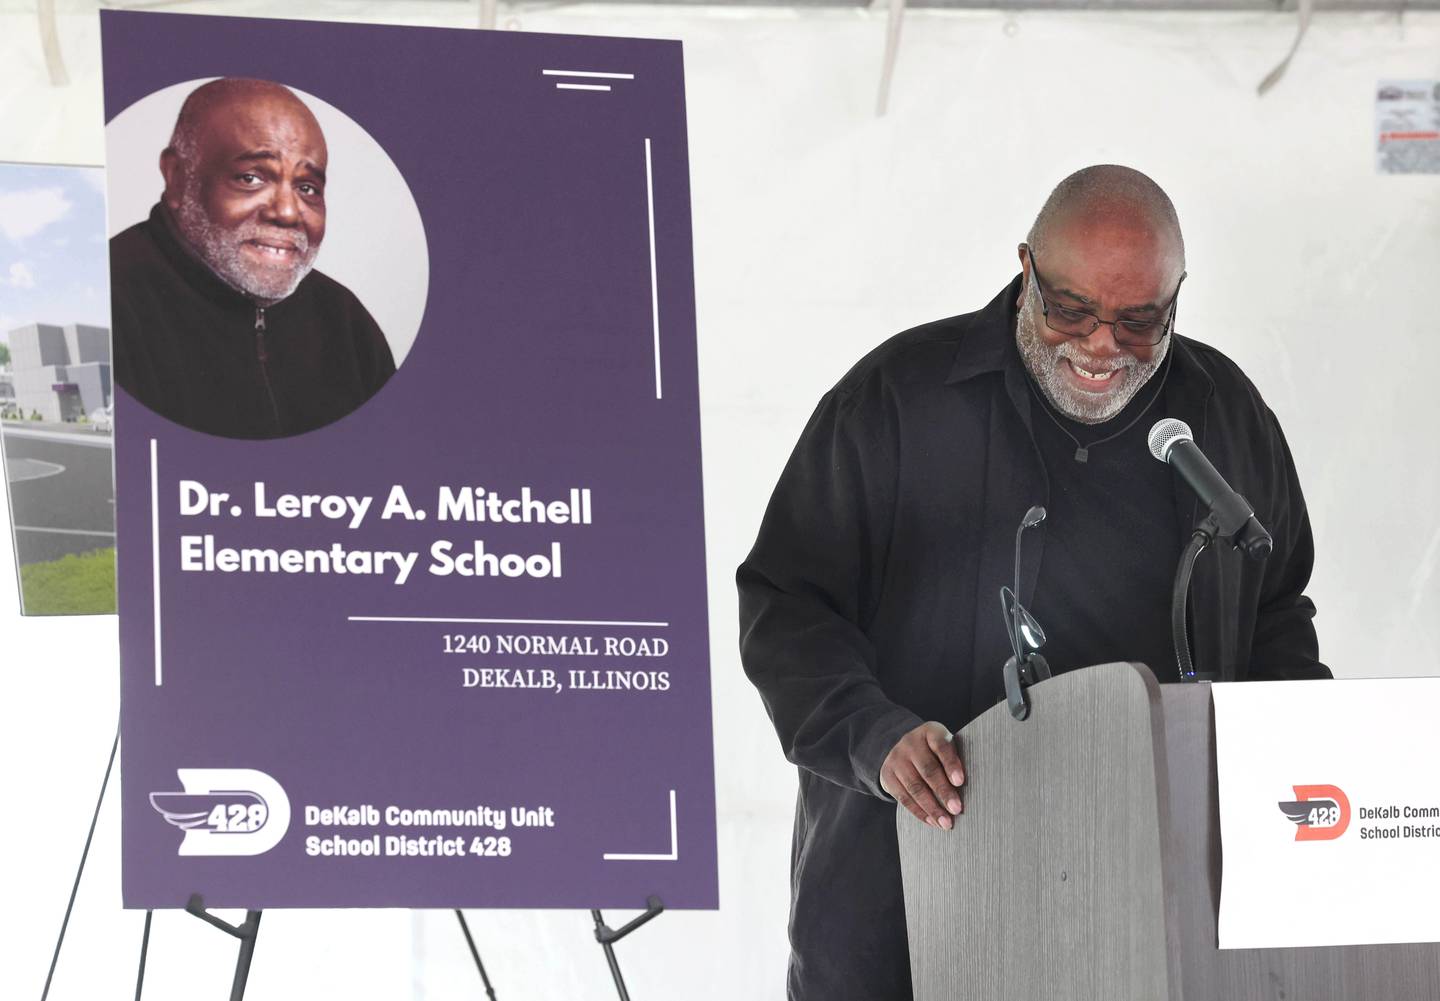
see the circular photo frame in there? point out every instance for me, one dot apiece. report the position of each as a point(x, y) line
point(373, 245)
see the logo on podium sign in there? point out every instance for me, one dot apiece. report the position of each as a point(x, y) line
point(225, 811)
point(1320, 813)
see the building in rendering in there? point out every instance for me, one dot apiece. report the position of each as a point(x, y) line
point(61, 373)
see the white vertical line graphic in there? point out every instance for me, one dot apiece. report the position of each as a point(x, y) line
point(672, 856)
point(674, 833)
point(155, 550)
point(654, 287)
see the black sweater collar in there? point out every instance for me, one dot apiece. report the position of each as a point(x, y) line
point(197, 273)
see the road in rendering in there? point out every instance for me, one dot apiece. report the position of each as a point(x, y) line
point(62, 493)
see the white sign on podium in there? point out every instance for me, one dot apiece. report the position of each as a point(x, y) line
point(1329, 812)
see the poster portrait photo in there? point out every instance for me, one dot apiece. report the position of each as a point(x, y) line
point(229, 191)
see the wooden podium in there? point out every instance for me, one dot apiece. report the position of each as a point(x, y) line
point(1086, 866)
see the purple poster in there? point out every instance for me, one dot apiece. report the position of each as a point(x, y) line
point(411, 550)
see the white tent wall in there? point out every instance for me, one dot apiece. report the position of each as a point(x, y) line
point(820, 230)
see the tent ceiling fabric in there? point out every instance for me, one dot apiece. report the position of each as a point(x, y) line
point(1398, 6)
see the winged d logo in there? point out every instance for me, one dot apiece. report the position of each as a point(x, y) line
point(225, 811)
point(1320, 813)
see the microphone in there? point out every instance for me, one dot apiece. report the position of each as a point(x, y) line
point(1172, 442)
point(1026, 666)
point(1033, 517)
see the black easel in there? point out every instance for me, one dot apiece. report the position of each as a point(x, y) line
point(144, 951)
point(245, 931)
point(607, 937)
point(475, 954)
point(85, 854)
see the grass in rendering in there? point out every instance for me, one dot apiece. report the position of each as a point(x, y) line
point(71, 585)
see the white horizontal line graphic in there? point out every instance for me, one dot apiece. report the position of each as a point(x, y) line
point(582, 86)
point(63, 531)
point(508, 622)
point(589, 73)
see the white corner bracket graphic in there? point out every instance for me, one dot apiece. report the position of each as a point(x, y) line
point(673, 855)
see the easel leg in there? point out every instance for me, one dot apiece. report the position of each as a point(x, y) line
point(609, 947)
point(246, 932)
point(607, 937)
point(144, 948)
point(81, 870)
point(475, 953)
point(247, 950)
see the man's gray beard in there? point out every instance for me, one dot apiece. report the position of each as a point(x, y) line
point(1043, 361)
point(222, 251)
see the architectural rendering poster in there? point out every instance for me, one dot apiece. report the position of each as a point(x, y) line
point(411, 561)
point(55, 388)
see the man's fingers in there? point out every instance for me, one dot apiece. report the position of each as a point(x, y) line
point(933, 772)
point(903, 798)
point(922, 772)
point(892, 785)
point(914, 784)
point(947, 749)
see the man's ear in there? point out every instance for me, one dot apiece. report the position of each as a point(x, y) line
point(1023, 250)
point(174, 173)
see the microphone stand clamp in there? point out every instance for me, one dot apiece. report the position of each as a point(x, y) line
point(1020, 675)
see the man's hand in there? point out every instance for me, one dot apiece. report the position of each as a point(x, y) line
point(923, 772)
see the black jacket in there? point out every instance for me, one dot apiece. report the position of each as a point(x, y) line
point(196, 351)
point(868, 604)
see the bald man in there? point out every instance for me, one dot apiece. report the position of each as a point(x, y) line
point(868, 612)
point(221, 323)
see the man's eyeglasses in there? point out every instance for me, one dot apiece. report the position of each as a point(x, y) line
point(1132, 332)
